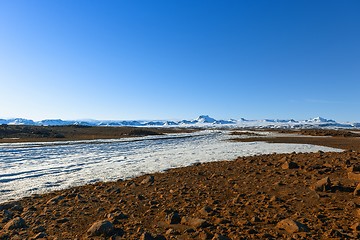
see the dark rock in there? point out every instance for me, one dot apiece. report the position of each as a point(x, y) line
point(148, 180)
point(62, 220)
point(15, 223)
point(255, 219)
point(39, 229)
point(160, 237)
point(206, 211)
point(116, 216)
point(55, 200)
point(9, 205)
point(146, 236)
point(7, 215)
point(289, 165)
point(220, 237)
point(140, 197)
point(354, 168)
point(101, 228)
point(357, 190)
point(40, 235)
point(173, 218)
point(322, 185)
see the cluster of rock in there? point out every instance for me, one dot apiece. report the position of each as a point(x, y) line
point(275, 196)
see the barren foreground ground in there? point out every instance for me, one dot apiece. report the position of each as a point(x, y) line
point(277, 196)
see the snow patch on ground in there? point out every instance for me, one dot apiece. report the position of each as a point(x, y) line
point(28, 168)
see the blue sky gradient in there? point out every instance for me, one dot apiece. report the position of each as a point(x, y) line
point(178, 59)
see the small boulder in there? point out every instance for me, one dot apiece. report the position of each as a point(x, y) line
point(101, 228)
point(173, 218)
point(148, 180)
point(62, 220)
point(355, 227)
point(289, 165)
point(206, 211)
point(194, 222)
point(146, 236)
point(354, 168)
point(357, 190)
point(15, 223)
point(7, 215)
point(322, 185)
point(292, 226)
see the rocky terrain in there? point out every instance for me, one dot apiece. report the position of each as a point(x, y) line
point(276, 196)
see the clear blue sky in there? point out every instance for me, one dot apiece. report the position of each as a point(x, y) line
point(175, 59)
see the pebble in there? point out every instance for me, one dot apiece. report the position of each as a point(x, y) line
point(322, 185)
point(292, 226)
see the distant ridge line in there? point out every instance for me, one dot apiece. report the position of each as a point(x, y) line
point(201, 121)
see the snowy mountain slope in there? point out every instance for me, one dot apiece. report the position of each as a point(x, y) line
point(201, 121)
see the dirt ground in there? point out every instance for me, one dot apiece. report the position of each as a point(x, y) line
point(20, 133)
point(275, 196)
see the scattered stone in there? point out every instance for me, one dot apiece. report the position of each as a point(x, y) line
point(9, 205)
point(289, 165)
point(322, 185)
point(357, 190)
point(170, 231)
point(354, 168)
point(292, 226)
point(356, 227)
point(62, 220)
point(146, 236)
point(101, 228)
point(116, 216)
point(7, 215)
point(255, 219)
point(55, 200)
point(206, 211)
point(40, 235)
point(275, 199)
point(173, 218)
point(220, 237)
point(39, 229)
point(15, 223)
point(194, 222)
point(221, 221)
point(203, 235)
point(140, 197)
point(148, 179)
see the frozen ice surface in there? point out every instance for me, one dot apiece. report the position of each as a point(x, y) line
point(28, 168)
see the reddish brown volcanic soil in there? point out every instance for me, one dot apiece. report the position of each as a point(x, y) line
point(275, 196)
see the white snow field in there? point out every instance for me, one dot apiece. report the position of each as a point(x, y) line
point(28, 168)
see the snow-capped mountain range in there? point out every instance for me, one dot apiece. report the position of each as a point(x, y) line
point(201, 121)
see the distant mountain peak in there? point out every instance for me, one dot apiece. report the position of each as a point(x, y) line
point(205, 119)
point(320, 120)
